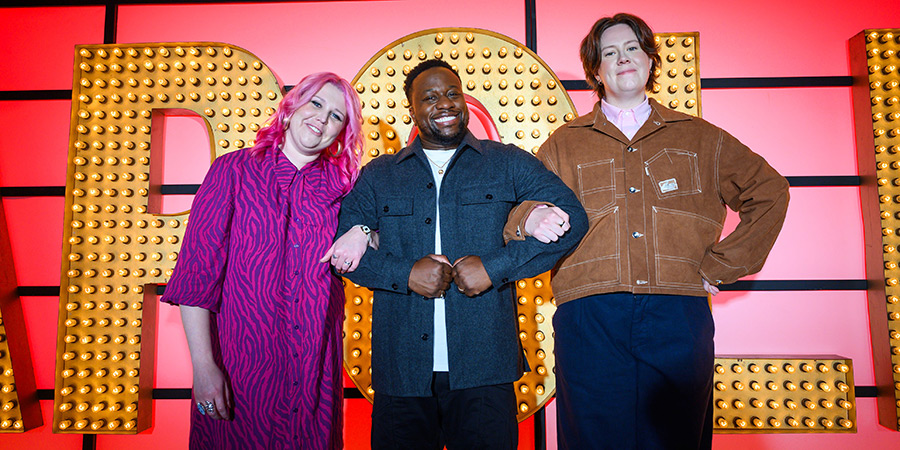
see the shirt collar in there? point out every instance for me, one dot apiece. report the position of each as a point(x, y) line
point(285, 170)
point(598, 120)
point(415, 147)
point(618, 115)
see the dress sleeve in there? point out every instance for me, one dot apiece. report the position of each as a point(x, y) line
point(200, 272)
point(759, 194)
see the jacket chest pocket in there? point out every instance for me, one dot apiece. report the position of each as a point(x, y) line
point(673, 173)
point(597, 185)
point(486, 204)
point(486, 194)
point(394, 208)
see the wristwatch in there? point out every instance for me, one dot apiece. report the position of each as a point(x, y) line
point(368, 232)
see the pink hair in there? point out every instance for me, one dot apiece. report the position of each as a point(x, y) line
point(346, 150)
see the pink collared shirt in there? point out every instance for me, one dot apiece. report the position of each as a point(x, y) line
point(628, 121)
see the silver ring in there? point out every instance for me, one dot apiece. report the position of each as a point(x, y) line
point(334, 257)
point(200, 408)
point(348, 263)
point(562, 223)
point(210, 406)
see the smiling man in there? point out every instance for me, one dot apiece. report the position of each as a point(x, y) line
point(445, 346)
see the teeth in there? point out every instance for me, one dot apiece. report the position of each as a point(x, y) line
point(444, 119)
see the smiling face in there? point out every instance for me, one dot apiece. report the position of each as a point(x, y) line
point(624, 66)
point(315, 125)
point(438, 109)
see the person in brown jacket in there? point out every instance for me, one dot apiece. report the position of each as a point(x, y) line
point(634, 331)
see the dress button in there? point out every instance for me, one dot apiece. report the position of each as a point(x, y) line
point(489, 197)
point(394, 286)
point(633, 189)
point(296, 355)
point(296, 409)
point(641, 282)
point(296, 272)
point(504, 281)
point(386, 209)
point(296, 327)
point(631, 149)
point(429, 185)
point(636, 235)
point(424, 336)
point(428, 220)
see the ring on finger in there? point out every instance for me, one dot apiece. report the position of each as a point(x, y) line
point(348, 263)
point(200, 408)
point(334, 257)
point(210, 406)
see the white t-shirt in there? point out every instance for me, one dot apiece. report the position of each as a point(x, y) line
point(439, 160)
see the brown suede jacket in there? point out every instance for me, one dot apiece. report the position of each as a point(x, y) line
point(656, 205)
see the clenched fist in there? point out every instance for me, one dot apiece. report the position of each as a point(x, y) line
point(430, 276)
point(469, 275)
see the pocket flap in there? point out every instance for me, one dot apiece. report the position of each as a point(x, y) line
point(395, 206)
point(674, 172)
point(486, 194)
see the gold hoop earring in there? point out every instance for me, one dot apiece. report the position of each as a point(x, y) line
point(286, 122)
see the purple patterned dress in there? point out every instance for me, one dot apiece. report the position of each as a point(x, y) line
point(250, 255)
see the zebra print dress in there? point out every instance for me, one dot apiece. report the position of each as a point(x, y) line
point(256, 231)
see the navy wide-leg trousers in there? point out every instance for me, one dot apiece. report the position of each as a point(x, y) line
point(634, 371)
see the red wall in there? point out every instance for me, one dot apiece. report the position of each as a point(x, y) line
point(800, 131)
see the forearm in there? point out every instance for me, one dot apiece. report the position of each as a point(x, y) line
point(528, 258)
point(379, 269)
point(750, 186)
point(196, 322)
point(745, 249)
point(514, 230)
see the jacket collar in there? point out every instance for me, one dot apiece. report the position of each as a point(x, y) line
point(659, 117)
point(415, 147)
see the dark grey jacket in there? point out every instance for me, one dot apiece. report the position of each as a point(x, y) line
point(395, 194)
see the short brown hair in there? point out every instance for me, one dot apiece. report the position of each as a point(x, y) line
point(591, 50)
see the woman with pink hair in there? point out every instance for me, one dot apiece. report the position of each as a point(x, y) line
point(261, 311)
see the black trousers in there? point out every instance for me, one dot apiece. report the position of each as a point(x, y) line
point(475, 418)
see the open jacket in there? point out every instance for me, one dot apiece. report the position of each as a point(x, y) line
point(395, 194)
point(656, 205)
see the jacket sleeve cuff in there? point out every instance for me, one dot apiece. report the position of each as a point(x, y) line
point(718, 272)
point(494, 264)
point(398, 280)
point(515, 222)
